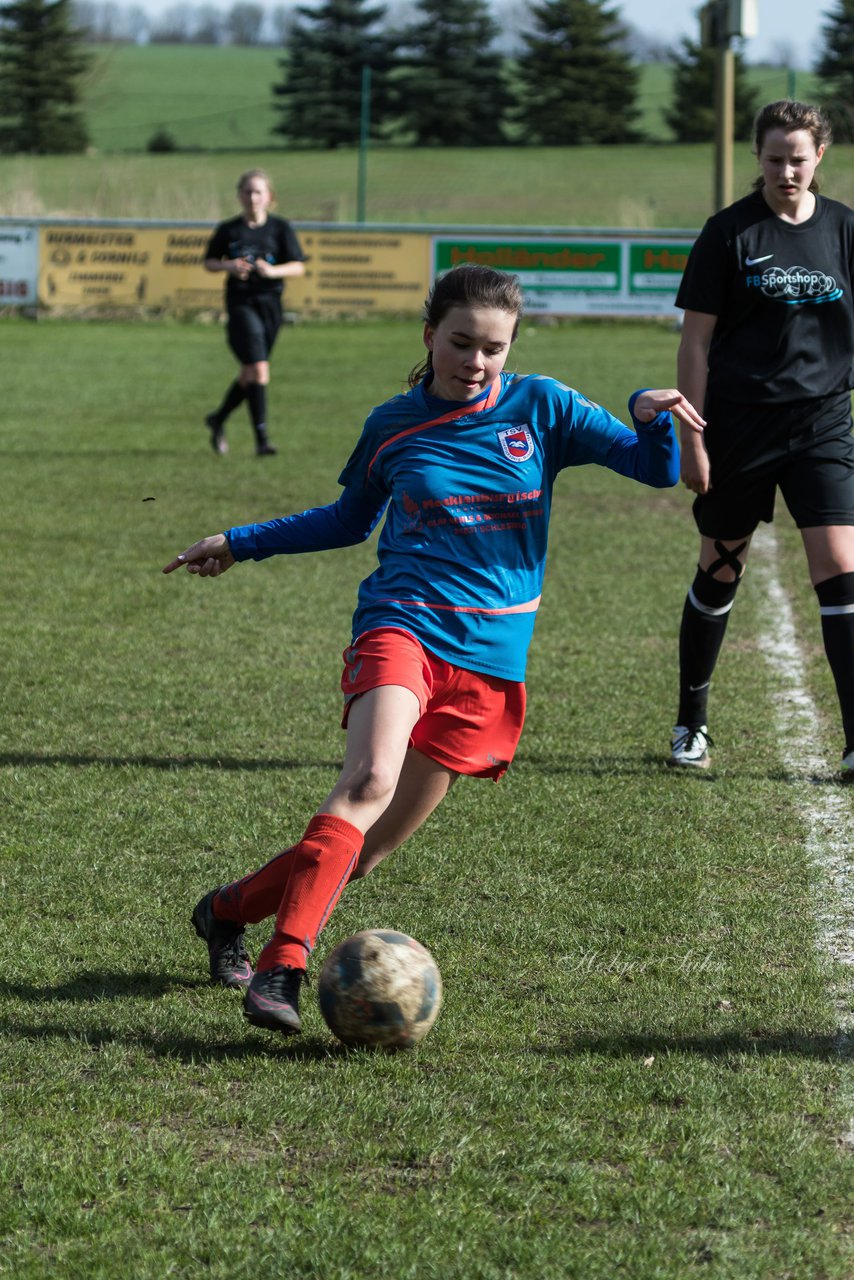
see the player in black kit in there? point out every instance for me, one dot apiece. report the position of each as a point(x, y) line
point(257, 250)
point(768, 348)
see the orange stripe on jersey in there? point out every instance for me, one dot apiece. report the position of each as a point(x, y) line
point(529, 606)
point(462, 412)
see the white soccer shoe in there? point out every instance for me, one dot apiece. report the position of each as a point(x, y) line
point(689, 748)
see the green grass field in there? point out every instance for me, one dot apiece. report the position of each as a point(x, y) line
point(637, 1072)
point(217, 104)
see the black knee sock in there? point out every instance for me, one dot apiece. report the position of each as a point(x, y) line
point(256, 397)
point(234, 396)
point(836, 606)
point(704, 621)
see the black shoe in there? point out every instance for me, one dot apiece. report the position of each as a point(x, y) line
point(272, 1000)
point(219, 444)
point(264, 447)
point(229, 959)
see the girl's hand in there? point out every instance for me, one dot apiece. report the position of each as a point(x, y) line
point(651, 403)
point(240, 267)
point(263, 268)
point(208, 558)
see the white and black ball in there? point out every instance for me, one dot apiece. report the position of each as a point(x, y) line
point(380, 988)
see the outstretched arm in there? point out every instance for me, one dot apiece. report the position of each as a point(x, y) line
point(344, 523)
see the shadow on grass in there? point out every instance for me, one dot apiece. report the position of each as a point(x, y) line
point(100, 986)
point(723, 1047)
point(598, 766)
point(188, 1049)
point(95, 985)
point(786, 1043)
point(168, 763)
point(649, 765)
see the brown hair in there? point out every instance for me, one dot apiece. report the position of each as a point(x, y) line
point(256, 173)
point(469, 285)
point(790, 116)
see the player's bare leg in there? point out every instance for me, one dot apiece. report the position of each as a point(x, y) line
point(422, 786)
point(321, 863)
point(259, 373)
point(830, 551)
point(378, 728)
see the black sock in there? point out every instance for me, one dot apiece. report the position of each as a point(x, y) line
point(256, 398)
point(234, 396)
point(704, 622)
point(836, 606)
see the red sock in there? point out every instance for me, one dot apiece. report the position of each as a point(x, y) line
point(320, 866)
point(256, 896)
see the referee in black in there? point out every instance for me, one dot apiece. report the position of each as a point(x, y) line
point(257, 250)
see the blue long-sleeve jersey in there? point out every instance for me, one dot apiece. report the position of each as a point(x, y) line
point(468, 493)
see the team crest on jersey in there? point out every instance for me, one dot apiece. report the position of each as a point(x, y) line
point(517, 443)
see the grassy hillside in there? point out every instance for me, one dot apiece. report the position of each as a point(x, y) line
point(218, 105)
point(205, 96)
point(769, 83)
point(220, 98)
point(640, 187)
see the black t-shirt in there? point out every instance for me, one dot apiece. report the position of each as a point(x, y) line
point(276, 241)
point(783, 297)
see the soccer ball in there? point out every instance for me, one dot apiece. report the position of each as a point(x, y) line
point(380, 988)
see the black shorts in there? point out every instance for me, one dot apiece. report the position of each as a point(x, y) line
point(804, 448)
point(253, 326)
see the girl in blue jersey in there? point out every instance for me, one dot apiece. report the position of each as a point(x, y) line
point(257, 251)
point(768, 350)
point(463, 466)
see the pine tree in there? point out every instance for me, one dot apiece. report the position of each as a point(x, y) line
point(692, 112)
point(320, 96)
point(836, 69)
point(41, 61)
point(450, 89)
point(577, 83)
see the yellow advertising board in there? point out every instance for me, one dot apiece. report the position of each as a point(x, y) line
point(354, 270)
point(82, 264)
point(348, 271)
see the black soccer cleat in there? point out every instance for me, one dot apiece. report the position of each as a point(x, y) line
point(272, 1000)
point(219, 444)
point(227, 954)
point(264, 448)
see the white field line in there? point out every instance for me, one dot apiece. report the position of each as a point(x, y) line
point(825, 805)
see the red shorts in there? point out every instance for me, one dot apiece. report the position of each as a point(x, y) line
point(469, 722)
